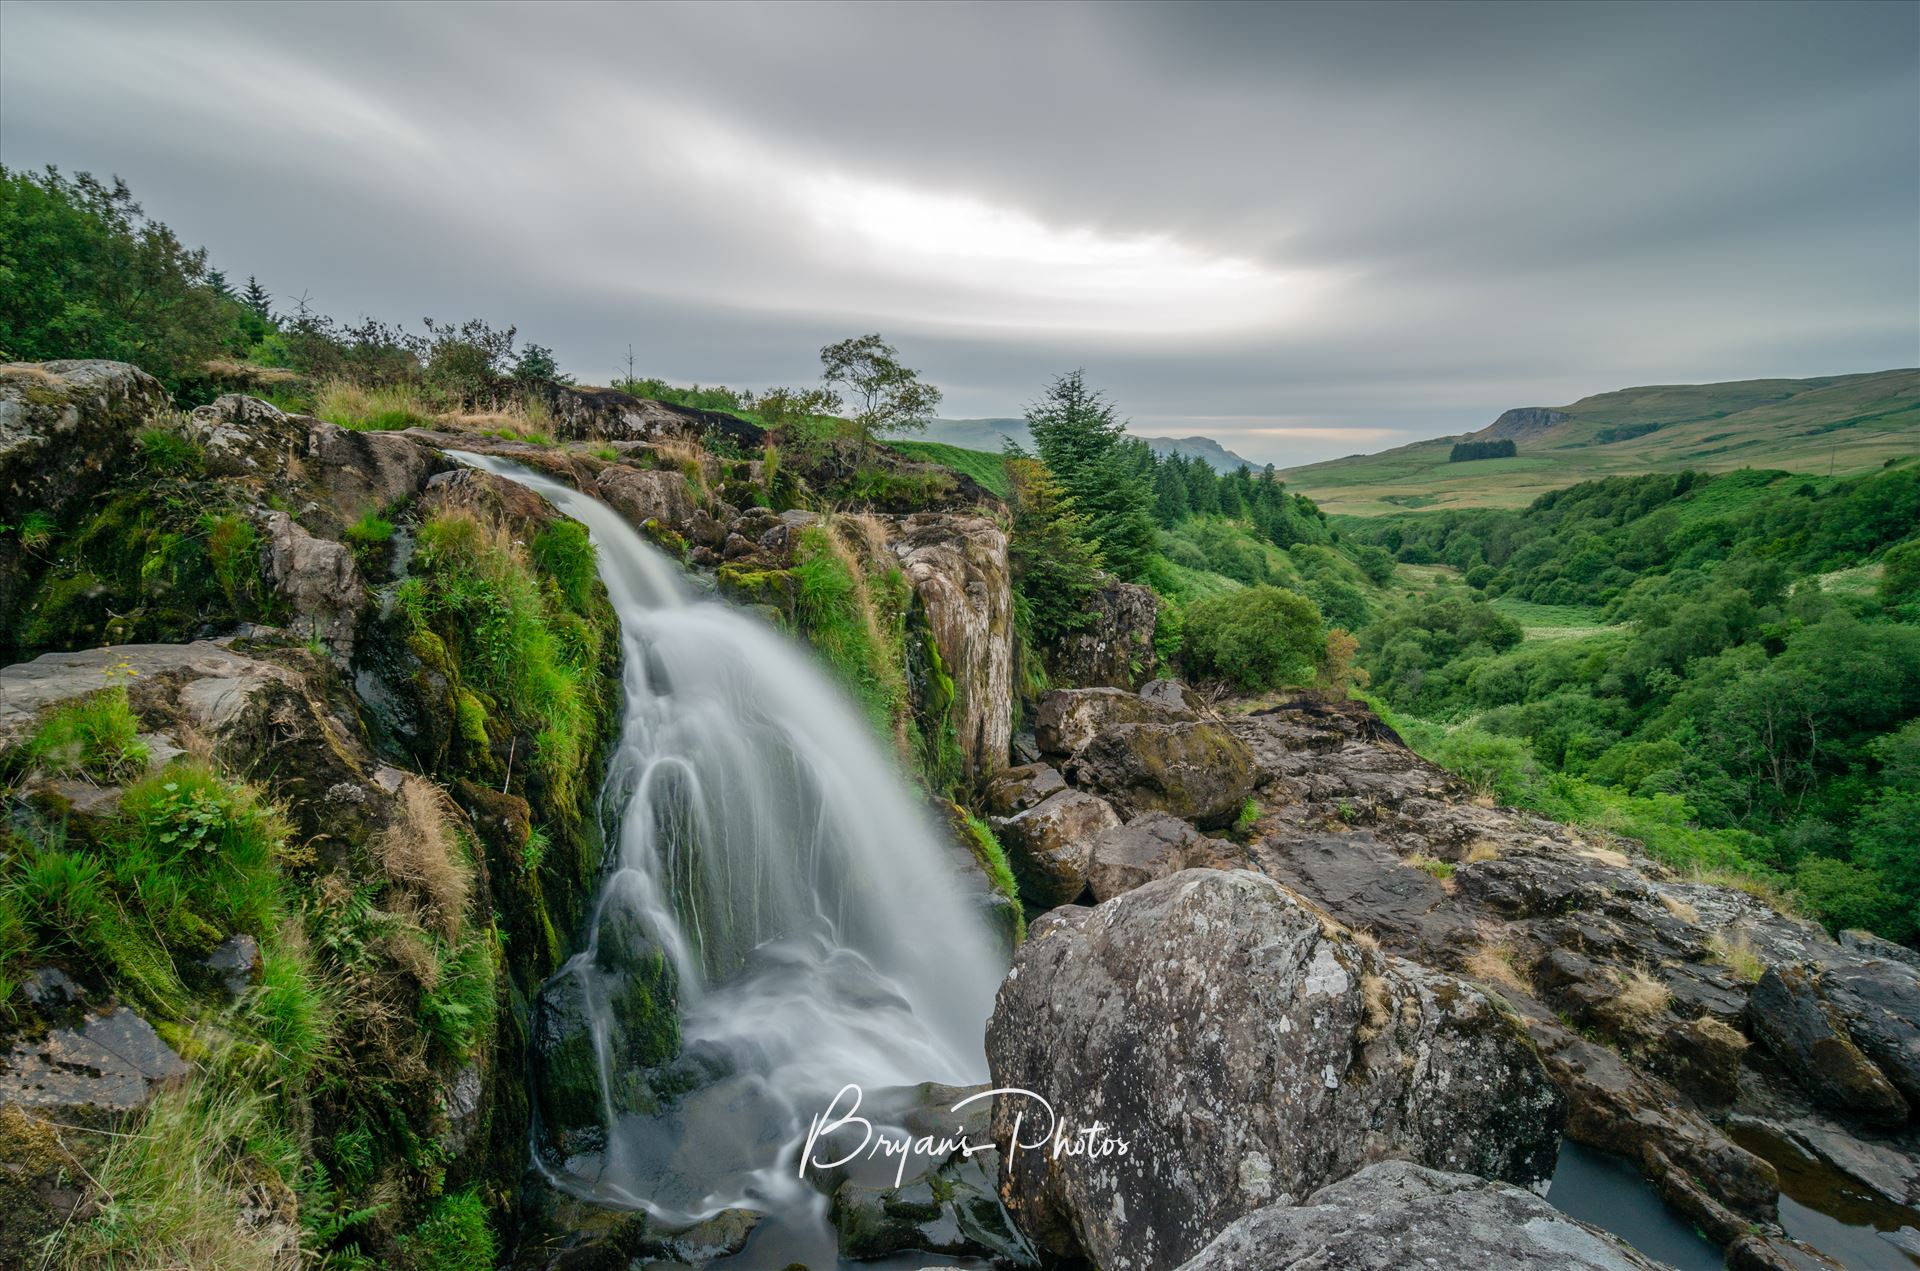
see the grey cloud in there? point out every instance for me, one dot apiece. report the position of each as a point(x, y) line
point(1511, 205)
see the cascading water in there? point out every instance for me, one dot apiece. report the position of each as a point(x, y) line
point(770, 854)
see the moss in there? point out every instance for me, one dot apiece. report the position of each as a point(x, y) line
point(774, 588)
point(470, 717)
point(666, 538)
point(993, 860)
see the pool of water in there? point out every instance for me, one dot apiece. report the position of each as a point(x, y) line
point(1608, 1192)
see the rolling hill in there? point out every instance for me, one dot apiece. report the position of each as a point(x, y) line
point(987, 434)
point(1840, 423)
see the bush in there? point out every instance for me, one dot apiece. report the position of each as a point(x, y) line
point(1258, 638)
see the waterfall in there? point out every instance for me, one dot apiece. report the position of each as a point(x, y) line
point(769, 850)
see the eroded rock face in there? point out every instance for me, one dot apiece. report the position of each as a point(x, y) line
point(318, 579)
point(1067, 719)
point(1116, 648)
point(1802, 1028)
point(1050, 845)
point(1199, 771)
point(1556, 919)
point(1152, 847)
point(1396, 1215)
point(64, 427)
point(957, 566)
point(1249, 1053)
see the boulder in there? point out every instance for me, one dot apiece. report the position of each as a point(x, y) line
point(1013, 790)
point(1151, 847)
point(1396, 1214)
point(1792, 1018)
point(1116, 647)
point(647, 494)
point(318, 579)
point(1069, 718)
point(1199, 771)
point(1050, 844)
point(1878, 999)
point(1247, 1053)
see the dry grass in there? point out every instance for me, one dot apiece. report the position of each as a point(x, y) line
point(418, 851)
point(530, 417)
point(1378, 1004)
point(1679, 908)
point(1758, 888)
point(1737, 954)
point(374, 409)
point(1606, 856)
point(248, 373)
point(1484, 850)
point(1642, 997)
point(872, 534)
point(1496, 962)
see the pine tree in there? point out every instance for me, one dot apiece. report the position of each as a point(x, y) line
point(256, 298)
point(1106, 475)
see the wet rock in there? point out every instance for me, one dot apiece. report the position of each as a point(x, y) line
point(1396, 1214)
point(951, 1210)
point(234, 963)
point(1199, 771)
point(1068, 719)
point(1248, 1053)
point(721, 1236)
point(1116, 648)
point(1151, 847)
point(1878, 999)
point(111, 1064)
point(1702, 1057)
point(318, 579)
point(51, 990)
point(1803, 1030)
point(1050, 844)
point(1013, 790)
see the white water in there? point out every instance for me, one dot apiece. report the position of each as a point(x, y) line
point(769, 845)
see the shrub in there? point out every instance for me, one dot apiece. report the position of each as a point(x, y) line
point(1257, 638)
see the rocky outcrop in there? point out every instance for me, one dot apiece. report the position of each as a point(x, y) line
point(1559, 921)
point(1248, 1053)
point(110, 1064)
point(957, 567)
point(1050, 845)
point(1116, 648)
point(647, 494)
point(1395, 1215)
point(1521, 423)
point(1200, 771)
point(591, 414)
point(1151, 847)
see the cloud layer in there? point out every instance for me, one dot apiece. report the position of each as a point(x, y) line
point(1303, 230)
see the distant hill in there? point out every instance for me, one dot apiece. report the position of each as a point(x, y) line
point(987, 434)
point(1838, 423)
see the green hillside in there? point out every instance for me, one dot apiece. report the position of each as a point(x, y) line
point(1843, 423)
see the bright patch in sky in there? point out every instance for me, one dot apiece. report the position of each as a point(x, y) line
point(953, 258)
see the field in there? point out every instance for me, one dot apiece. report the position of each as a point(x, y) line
point(1838, 425)
point(1552, 622)
point(986, 468)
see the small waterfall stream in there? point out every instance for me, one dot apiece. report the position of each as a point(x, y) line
point(769, 849)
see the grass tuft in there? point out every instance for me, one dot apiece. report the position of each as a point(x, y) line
point(97, 735)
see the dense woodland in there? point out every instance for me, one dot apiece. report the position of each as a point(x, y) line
point(1734, 673)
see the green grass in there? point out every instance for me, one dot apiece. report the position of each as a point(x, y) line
point(835, 611)
point(96, 735)
point(368, 537)
point(508, 632)
point(1552, 622)
point(167, 452)
point(986, 468)
point(993, 859)
point(1841, 424)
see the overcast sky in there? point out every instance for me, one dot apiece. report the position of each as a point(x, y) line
point(1304, 231)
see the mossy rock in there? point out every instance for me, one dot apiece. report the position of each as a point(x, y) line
point(748, 585)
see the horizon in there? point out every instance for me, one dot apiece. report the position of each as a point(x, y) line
point(1303, 232)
